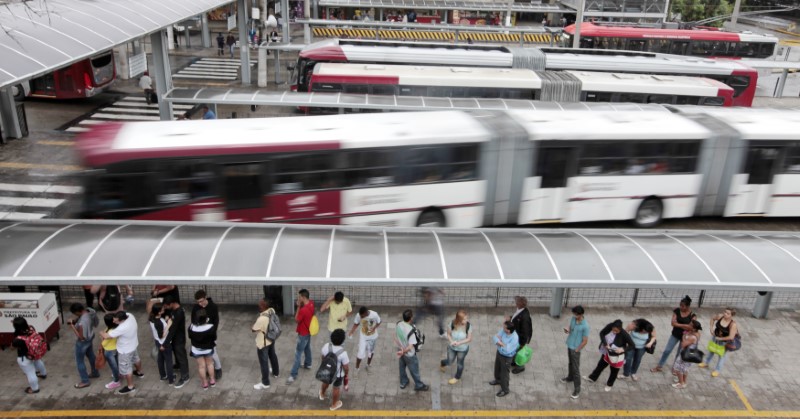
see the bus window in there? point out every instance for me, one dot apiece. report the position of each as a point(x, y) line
point(129, 192)
point(712, 101)
point(603, 158)
point(759, 165)
point(746, 49)
point(413, 91)
point(719, 49)
point(304, 173)
point(668, 99)
point(766, 50)
point(326, 87)
point(792, 162)
point(631, 98)
point(701, 48)
point(658, 45)
point(679, 47)
point(598, 97)
point(426, 164)
point(683, 156)
point(687, 100)
point(368, 168)
point(587, 43)
point(382, 89)
point(637, 45)
point(616, 43)
point(738, 83)
point(243, 187)
point(464, 161)
point(360, 89)
point(184, 180)
point(553, 166)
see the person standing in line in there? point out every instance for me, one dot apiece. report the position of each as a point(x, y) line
point(723, 329)
point(681, 321)
point(406, 341)
point(110, 352)
point(208, 113)
point(340, 311)
point(458, 337)
point(265, 348)
point(158, 292)
point(523, 326)
point(230, 41)
point(127, 335)
point(220, 44)
point(305, 312)
point(680, 367)
point(203, 336)
point(614, 343)
point(159, 326)
point(146, 84)
point(342, 368)
point(507, 343)
point(81, 325)
point(176, 337)
point(369, 321)
point(577, 338)
point(34, 369)
point(204, 302)
point(433, 305)
point(110, 298)
point(643, 335)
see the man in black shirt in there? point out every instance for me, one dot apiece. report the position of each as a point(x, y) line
point(177, 337)
point(203, 302)
point(522, 325)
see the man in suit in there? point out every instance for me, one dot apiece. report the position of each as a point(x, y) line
point(522, 325)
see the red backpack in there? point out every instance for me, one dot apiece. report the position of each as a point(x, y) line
point(36, 344)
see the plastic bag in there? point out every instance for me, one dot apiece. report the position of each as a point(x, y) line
point(523, 356)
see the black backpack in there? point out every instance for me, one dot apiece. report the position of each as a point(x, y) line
point(329, 368)
point(419, 335)
point(111, 298)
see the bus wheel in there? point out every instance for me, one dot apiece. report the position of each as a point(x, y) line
point(649, 214)
point(431, 218)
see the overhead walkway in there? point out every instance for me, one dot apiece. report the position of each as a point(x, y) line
point(422, 35)
point(68, 252)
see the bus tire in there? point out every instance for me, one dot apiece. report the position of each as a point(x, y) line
point(431, 218)
point(649, 214)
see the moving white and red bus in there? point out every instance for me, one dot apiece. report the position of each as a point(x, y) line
point(450, 168)
point(517, 83)
point(696, 42)
point(741, 78)
point(82, 79)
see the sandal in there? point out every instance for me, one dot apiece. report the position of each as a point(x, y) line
point(656, 369)
point(31, 391)
point(82, 385)
point(337, 405)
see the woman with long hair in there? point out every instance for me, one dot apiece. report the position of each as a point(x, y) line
point(203, 336)
point(682, 318)
point(34, 369)
point(724, 330)
point(159, 326)
point(614, 343)
point(459, 336)
point(680, 368)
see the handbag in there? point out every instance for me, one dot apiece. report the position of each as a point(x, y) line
point(716, 348)
point(616, 361)
point(100, 359)
point(692, 355)
point(652, 349)
point(735, 344)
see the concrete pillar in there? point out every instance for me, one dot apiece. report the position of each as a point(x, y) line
point(121, 61)
point(288, 300)
point(170, 37)
point(285, 32)
point(278, 67)
point(557, 302)
point(735, 15)
point(8, 115)
point(161, 72)
point(576, 40)
point(188, 39)
point(306, 26)
point(262, 67)
point(244, 51)
point(205, 30)
point(761, 307)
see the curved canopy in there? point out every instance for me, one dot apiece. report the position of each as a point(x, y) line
point(38, 37)
point(85, 252)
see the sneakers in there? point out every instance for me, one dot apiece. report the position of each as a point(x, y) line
point(369, 370)
point(276, 375)
point(260, 386)
point(218, 373)
point(608, 388)
point(182, 382)
point(126, 390)
point(321, 396)
point(565, 380)
point(212, 383)
point(452, 381)
point(113, 385)
point(678, 386)
point(307, 367)
point(425, 387)
point(634, 377)
point(443, 335)
point(715, 374)
point(403, 386)
point(702, 365)
point(138, 373)
point(290, 380)
point(337, 405)
point(586, 377)
point(205, 386)
point(575, 395)
point(624, 377)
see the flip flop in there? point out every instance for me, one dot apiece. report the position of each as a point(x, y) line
point(82, 385)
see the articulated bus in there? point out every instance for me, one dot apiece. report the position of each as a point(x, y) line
point(699, 43)
point(517, 83)
point(82, 79)
point(741, 78)
point(454, 169)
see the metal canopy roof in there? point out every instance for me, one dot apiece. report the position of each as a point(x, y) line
point(488, 6)
point(41, 36)
point(84, 252)
point(382, 102)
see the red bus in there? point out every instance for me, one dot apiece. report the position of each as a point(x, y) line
point(700, 43)
point(80, 80)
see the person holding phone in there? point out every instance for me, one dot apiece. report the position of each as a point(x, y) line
point(577, 338)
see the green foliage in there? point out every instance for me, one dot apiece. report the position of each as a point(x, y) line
point(694, 10)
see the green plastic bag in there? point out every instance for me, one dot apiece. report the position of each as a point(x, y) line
point(716, 348)
point(523, 356)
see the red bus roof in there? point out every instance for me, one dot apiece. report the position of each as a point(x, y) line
point(590, 29)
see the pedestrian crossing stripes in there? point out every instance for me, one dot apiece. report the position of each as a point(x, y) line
point(23, 202)
point(211, 69)
point(129, 108)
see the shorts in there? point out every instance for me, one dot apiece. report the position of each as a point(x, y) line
point(196, 355)
point(126, 362)
point(338, 382)
point(366, 347)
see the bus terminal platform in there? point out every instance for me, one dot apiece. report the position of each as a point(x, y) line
point(760, 380)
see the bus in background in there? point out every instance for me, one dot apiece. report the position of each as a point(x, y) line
point(82, 79)
point(699, 43)
point(517, 83)
point(454, 169)
point(740, 77)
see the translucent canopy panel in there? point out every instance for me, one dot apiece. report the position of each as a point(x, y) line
point(38, 37)
point(84, 252)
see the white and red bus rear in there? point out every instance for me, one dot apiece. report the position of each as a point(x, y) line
point(82, 79)
point(740, 77)
point(505, 83)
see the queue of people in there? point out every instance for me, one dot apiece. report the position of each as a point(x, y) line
point(621, 347)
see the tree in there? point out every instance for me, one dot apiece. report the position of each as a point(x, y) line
point(694, 10)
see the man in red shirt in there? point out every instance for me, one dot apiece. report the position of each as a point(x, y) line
point(305, 311)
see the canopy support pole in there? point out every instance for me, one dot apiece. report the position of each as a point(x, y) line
point(761, 307)
point(8, 115)
point(557, 302)
point(163, 75)
point(244, 50)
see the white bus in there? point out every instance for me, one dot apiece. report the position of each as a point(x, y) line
point(450, 168)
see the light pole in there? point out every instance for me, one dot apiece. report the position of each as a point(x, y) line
point(576, 41)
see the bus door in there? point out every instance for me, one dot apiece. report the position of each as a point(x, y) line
point(752, 189)
point(553, 169)
point(243, 191)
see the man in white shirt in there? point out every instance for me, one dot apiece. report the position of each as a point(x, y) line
point(146, 84)
point(369, 321)
point(127, 336)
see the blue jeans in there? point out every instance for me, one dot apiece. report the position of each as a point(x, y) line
point(83, 348)
point(303, 348)
point(721, 361)
point(668, 350)
point(457, 356)
point(111, 360)
point(633, 359)
point(412, 362)
point(30, 367)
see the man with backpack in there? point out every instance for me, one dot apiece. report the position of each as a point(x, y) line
point(333, 368)
point(407, 339)
point(203, 302)
point(83, 325)
point(267, 329)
